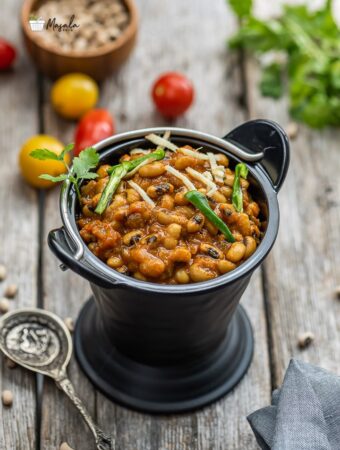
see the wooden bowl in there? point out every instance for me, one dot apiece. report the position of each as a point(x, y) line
point(98, 63)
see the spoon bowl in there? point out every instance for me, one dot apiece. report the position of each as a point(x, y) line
point(39, 341)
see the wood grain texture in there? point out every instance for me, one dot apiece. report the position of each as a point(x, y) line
point(18, 228)
point(64, 293)
point(303, 270)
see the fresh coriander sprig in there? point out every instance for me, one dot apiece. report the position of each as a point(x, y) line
point(87, 160)
point(305, 45)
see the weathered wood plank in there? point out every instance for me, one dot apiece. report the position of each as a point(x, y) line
point(302, 271)
point(18, 227)
point(64, 293)
point(190, 37)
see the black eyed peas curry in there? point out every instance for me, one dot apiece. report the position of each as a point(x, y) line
point(171, 215)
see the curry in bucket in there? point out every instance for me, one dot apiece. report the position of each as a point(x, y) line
point(171, 215)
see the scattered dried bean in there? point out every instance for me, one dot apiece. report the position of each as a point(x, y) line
point(11, 291)
point(4, 305)
point(305, 339)
point(7, 398)
point(69, 324)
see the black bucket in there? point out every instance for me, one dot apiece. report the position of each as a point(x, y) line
point(165, 348)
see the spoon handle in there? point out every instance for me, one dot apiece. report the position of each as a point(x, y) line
point(103, 441)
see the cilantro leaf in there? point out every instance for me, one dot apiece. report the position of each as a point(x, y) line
point(61, 177)
point(309, 41)
point(87, 160)
point(271, 83)
point(43, 154)
point(67, 149)
point(241, 8)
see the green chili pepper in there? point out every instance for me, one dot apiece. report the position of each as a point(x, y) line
point(241, 170)
point(118, 172)
point(201, 202)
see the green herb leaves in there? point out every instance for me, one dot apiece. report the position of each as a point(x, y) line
point(87, 160)
point(271, 83)
point(241, 8)
point(241, 170)
point(308, 42)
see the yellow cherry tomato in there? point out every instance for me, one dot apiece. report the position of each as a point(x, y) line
point(74, 94)
point(31, 168)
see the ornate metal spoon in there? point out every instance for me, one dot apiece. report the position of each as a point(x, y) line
point(39, 340)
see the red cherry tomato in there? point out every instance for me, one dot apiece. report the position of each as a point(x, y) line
point(7, 54)
point(94, 126)
point(172, 94)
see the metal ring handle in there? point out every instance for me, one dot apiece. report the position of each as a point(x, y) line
point(182, 132)
point(268, 138)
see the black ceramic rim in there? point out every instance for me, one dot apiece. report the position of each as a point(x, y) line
point(188, 387)
point(114, 144)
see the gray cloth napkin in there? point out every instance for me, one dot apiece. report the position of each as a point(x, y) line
point(304, 414)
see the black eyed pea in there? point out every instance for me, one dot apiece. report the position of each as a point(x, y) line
point(7, 398)
point(227, 191)
point(186, 211)
point(157, 190)
point(219, 197)
point(225, 266)
point(180, 199)
point(132, 196)
point(250, 244)
point(152, 170)
point(211, 251)
point(211, 228)
point(244, 183)
point(229, 179)
point(167, 202)
point(11, 291)
point(182, 277)
point(174, 230)
point(139, 276)
point(100, 186)
point(180, 254)
point(102, 171)
point(222, 160)
point(236, 252)
point(166, 218)
point(196, 223)
point(151, 240)
point(200, 273)
point(170, 243)
point(132, 237)
point(115, 262)
point(65, 446)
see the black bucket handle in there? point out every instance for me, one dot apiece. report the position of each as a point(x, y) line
point(60, 246)
point(266, 137)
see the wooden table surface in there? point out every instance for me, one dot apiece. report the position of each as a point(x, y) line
point(293, 291)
